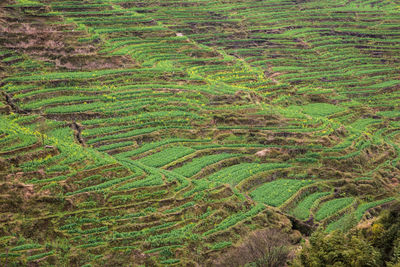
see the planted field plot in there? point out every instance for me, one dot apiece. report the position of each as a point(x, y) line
point(302, 210)
point(277, 192)
point(331, 207)
point(167, 132)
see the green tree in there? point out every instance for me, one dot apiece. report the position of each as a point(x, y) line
point(338, 249)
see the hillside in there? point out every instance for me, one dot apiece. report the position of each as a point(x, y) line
point(167, 133)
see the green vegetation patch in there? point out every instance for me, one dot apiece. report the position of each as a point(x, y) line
point(320, 109)
point(166, 156)
point(236, 173)
point(193, 167)
point(332, 206)
point(302, 210)
point(277, 192)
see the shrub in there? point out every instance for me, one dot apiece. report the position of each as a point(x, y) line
point(262, 248)
point(338, 249)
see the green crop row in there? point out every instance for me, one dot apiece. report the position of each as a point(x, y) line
point(361, 209)
point(166, 156)
point(150, 180)
point(26, 247)
point(331, 207)
point(150, 146)
point(302, 210)
point(236, 218)
point(124, 135)
point(68, 75)
point(115, 145)
point(103, 186)
point(277, 192)
point(236, 173)
point(157, 115)
point(191, 168)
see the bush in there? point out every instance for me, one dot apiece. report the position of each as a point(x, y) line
point(267, 248)
point(338, 249)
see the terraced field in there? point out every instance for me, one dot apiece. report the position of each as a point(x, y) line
point(165, 132)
